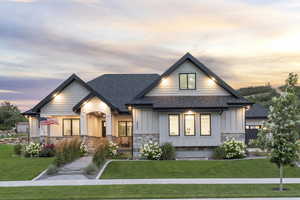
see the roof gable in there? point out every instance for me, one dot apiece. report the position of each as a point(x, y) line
point(61, 87)
point(199, 65)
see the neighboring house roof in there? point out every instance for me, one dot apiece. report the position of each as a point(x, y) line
point(120, 89)
point(186, 102)
point(198, 64)
point(257, 111)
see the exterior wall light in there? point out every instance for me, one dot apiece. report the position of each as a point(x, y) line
point(164, 81)
point(211, 81)
point(57, 97)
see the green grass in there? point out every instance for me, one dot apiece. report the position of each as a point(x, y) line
point(259, 168)
point(146, 191)
point(13, 167)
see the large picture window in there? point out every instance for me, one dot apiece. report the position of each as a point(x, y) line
point(205, 124)
point(124, 128)
point(174, 125)
point(187, 81)
point(189, 124)
point(71, 127)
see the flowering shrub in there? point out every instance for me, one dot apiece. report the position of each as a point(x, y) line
point(112, 150)
point(47, 150)
point(32, 150)
point(151, 151)
point(83, 149)
point(233, 149)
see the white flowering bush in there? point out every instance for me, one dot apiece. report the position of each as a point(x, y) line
point(83, 149)
point(233, 149)
point(151, 151)
point(112, 149)
point(33, 150)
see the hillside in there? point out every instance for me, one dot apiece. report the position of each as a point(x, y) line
point(262, 94)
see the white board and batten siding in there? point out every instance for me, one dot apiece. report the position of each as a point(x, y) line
point(233, 120)
point(204, 87)
point(145, 121)
point(68, 98)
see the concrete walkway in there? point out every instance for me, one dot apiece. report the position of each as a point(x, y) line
point(147, 181)
point(71, 171)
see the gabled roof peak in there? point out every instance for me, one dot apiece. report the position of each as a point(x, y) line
point(198, 64)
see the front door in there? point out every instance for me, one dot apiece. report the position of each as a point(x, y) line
point(103, 125)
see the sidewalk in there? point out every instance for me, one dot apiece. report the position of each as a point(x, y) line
point(71, 171)
point(147, 181)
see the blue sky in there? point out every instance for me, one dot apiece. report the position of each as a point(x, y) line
point(42, 42)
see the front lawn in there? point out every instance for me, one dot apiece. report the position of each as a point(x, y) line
point(146, 191)
point(259, 168)
point(13, 167)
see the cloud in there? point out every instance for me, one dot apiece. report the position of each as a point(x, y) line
point(10, 92)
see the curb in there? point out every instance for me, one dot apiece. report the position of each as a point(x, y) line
point(40, 175)
point(103, 168)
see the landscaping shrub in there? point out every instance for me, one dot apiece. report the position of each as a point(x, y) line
point(100, 154)
point(32, 150)
point(112, 150)
point(83, 149)
point(168, 152)
point(91, 169)
point(18, 149)
point(253, 143)
point(47, 150)
point(52, 169)
point(151, 151)
point(233, 149)
point(67, 151)
point(219, 153)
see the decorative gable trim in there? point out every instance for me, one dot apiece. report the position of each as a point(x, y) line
point(198, 64)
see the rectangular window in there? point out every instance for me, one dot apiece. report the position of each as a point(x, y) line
point(124, 128)
point(71, 127)
point(174, 125)
point(187, 81)
point(205, 124)
point(189, 124)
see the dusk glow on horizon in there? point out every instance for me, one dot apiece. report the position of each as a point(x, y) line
point(43, 42)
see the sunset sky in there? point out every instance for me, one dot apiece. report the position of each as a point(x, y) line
point(42, 42)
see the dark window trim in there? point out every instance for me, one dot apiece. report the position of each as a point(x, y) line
point(194, 124)
point(178, 115)
point(126, 129)
point(187, 82)
point(63, 126)
point(209, 124)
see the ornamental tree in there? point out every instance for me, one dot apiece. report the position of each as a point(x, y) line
point(282, 126)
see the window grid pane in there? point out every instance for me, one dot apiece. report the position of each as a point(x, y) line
point(174, 125)
point(192, 81)
point(129, 128)
point(122, 129)
point(189, 124)
point(205, 124)
point(67, 127)
point(75, 127)
point(183, 81)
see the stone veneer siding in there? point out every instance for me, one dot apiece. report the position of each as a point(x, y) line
point(236, 136)
point(140, 139)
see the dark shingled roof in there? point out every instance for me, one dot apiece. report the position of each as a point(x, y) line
point(257, 111)
point(120, 89)
point(160, 102)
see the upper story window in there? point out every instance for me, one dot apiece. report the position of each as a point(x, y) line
point(71, 127)
point(187, 81)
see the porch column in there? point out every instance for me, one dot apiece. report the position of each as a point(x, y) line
point(83, 124)
point(108, 119)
